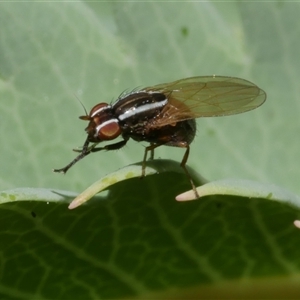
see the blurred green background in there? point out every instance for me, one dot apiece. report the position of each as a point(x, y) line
point(51, 53)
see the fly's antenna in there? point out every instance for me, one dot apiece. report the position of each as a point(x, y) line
point(81, 104)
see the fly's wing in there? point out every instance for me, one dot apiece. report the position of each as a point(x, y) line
point(208, 96)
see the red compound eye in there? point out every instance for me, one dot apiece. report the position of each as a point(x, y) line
point(109, 129)
point(98, 109)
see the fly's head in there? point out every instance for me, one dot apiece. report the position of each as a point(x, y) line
point(103, 125)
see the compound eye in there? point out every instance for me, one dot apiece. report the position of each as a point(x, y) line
point(109, 129)
point(100, 107)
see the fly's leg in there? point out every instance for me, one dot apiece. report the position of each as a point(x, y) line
point(87, 150)
point(147, 149)
point(183, 165)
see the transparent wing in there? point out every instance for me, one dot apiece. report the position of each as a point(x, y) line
point(207, 96)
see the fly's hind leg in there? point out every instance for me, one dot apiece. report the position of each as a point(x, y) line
point(151, 148)
point(183, 165)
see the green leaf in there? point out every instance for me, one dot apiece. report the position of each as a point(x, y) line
point(244, 188)
point(136, 240)
point(137, 236)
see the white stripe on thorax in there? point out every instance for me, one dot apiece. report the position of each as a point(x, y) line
point(131, 112)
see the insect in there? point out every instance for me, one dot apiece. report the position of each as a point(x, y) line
point(165, 114)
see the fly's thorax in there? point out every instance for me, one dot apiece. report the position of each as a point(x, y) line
point(139, 107)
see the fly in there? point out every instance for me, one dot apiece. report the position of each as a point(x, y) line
point(164, 114)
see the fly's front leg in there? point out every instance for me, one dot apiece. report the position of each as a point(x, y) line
point(84, 152)
point(87, 150)
point(115, 146)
